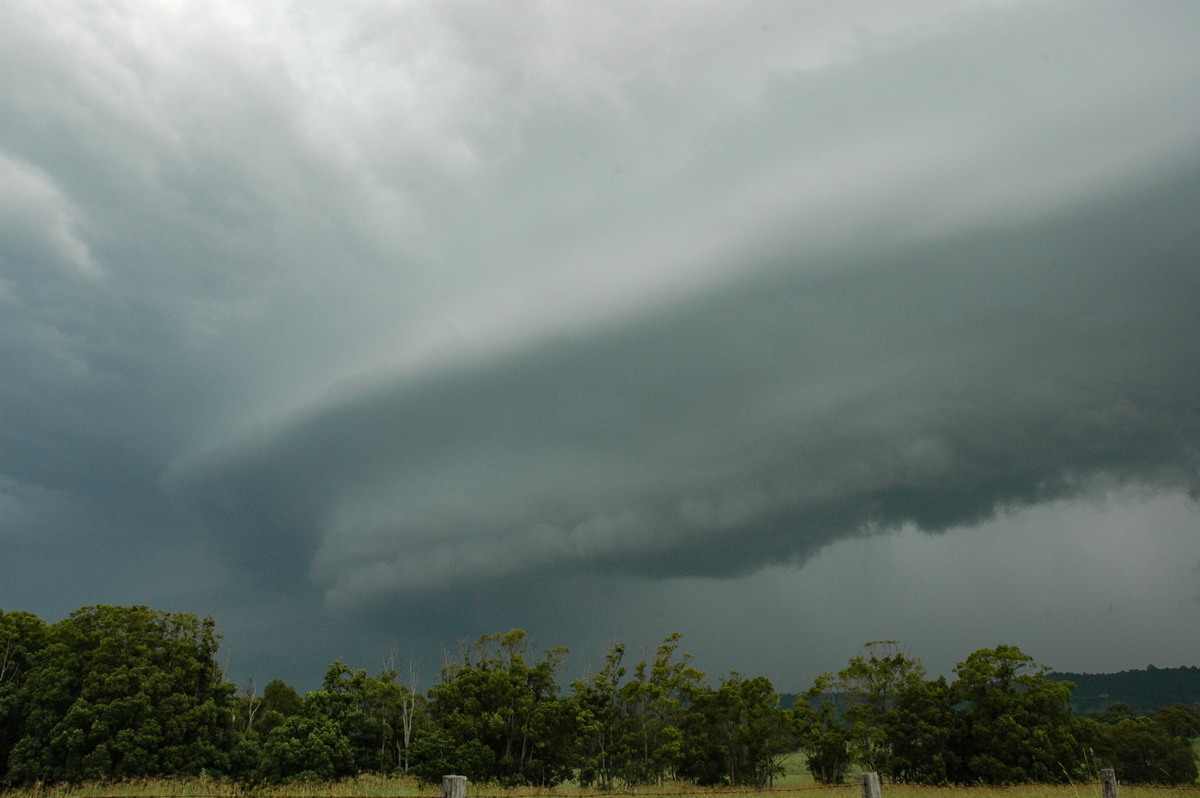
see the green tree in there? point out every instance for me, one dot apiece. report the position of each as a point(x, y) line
point(500, 717)
point(893, 721)
point(280, 701)
point(350, 700)
point(872, 687)
point(279, 696)
point(921, 727)
point(1116, 713)
point(255, 717)
point(656, 701)
point(1142, 751)
point(823, 739)
point(22, 636)
point(1178, 720)
point(600, 719)
point(124, 691)
point(371, 713)
point(306, 748)
point(1016, 723)
point(738, 734)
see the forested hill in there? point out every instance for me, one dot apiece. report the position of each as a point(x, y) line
point(1143, 690)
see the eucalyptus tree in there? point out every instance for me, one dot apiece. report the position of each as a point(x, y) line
point(499, 717)
point(872, 686)
point(656, 700)
point(601, 720)
point(822, 737)
point(738, 734)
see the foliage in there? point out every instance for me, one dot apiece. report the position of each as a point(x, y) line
point(1143, 751)
point(738, 734)
point(305, 748)
point(120, 692)
point(921, 727)
point(656, 703)
point(115, 693)
point(823, 739)
point(1144, 691)
point(600, 720)
point(501, 717)
point(1178, 720)
point(1017, 723)
point(280, 701)
point(22, 636)
point(893, 721)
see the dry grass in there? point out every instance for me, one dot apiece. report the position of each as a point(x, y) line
point(383, 787)
point(796, 784)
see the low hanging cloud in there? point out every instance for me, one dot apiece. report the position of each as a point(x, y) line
point(754, 424)
point(338, 304)
point(959, 308)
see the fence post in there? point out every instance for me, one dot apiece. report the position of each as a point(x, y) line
point(870, 785)
point(454, 787)
point(1108, 783)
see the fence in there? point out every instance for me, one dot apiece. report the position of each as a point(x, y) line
point(456, 786)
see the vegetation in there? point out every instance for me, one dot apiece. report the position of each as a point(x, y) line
point(374, 786)
point(1144, 691)
point(114, 694)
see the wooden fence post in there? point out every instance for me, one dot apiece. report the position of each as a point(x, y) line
point(1108, 783)
point(870, 785)
point(454, 787)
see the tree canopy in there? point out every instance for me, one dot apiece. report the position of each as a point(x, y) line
point(120, 692)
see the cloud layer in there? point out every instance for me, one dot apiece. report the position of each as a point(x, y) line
point(342, 307)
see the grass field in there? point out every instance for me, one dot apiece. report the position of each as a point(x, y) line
point(796, 784)
point(382, 787)
point(394, 788)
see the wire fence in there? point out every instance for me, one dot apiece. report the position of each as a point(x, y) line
point(683, 792)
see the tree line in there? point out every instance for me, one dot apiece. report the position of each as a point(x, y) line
point(121, 692)
point(1142, 690)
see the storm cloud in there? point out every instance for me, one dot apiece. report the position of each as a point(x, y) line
point(409, 318)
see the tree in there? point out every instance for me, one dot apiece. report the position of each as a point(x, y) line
point(872, 687)
point(738, 734)
point(1178, 720)
point(601, 719)
point(124, 691)
point(823, 739)
point(920, 728)
point(22, 636)
point(656, 701)
point(306, 748)
point(410, 704)
point(280, 701)
point(1016, 723)
point(501, 716)
point(1142, 751)
point(893, 721)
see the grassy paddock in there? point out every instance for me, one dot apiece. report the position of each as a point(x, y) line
point(383, 787)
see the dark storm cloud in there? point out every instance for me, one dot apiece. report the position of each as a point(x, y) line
point(756, 424)
point(315, 308)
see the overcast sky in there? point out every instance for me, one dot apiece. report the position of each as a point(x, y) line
point(784, 325)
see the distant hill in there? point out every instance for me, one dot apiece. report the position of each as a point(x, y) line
point(1143, 690)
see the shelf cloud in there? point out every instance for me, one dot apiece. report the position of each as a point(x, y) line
point(414, 318)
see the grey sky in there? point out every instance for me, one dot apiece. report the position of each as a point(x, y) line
point(784, 325)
